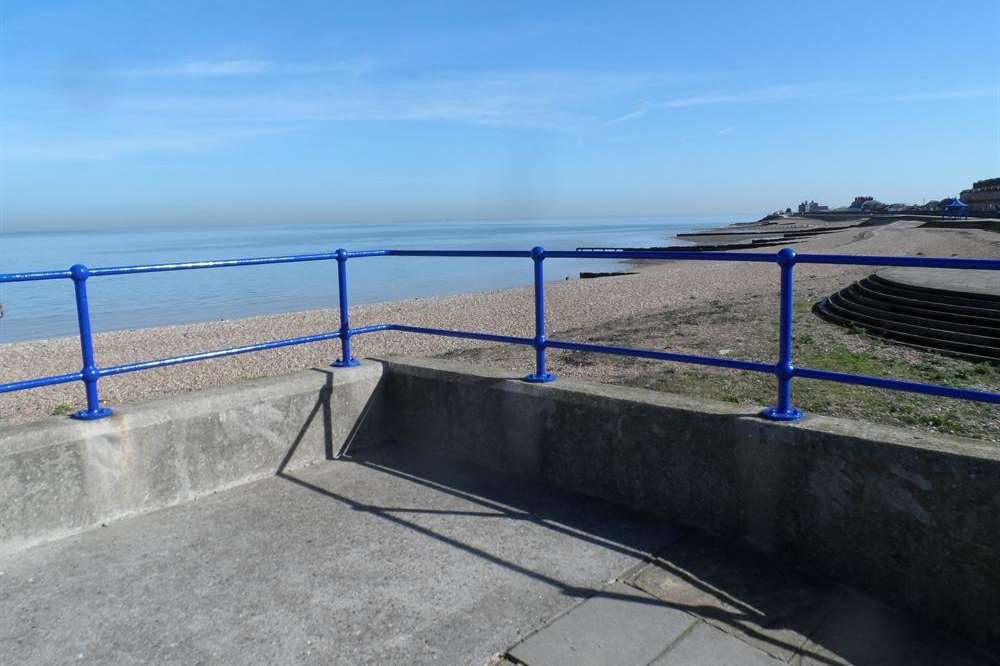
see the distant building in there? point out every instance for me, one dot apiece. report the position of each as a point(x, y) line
point(812, 207)
point(984, 197)
point(859, 202)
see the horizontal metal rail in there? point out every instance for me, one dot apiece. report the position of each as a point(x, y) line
point(783, 368)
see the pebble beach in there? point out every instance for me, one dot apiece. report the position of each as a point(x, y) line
point(655, 286)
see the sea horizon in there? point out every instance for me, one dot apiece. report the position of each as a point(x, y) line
point(34, 311)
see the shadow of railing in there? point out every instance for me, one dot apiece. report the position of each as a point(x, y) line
point(764, 603)
point(588, 520)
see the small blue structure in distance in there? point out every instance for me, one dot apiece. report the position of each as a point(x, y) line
point(954, 208)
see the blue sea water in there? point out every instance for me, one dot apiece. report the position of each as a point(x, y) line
point(46, 309)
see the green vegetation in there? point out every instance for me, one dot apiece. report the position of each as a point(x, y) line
point(748, 330)
point(822, 345)
point(64, 409)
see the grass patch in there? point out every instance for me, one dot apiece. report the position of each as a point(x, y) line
point(749, 330)
point(821, 345)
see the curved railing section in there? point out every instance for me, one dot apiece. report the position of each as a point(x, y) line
point(783, 368)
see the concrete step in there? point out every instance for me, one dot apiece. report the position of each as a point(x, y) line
point(930, 293)
point(855, 300)
point(877, 291)
point(961, 322)
point(931, 328)
point(860, 295)
point(962, 350)
point(928, 298)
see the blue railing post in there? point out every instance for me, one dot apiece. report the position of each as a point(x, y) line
point(79, 273)
point(346, 360)
point(541, 374)
point(783, 369)
point(783, 410)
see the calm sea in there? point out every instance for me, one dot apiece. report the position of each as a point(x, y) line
point(46, 309)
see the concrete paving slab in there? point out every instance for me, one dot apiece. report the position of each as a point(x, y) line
point(386, 559)
point(707, 646)
point(620, 625)
point(764, 603)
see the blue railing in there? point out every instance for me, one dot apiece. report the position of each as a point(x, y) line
point(783, 369)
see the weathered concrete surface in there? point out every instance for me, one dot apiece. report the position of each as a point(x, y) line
point(706, 646)
point(911, 519)
point(59, 476)
point(786, 614)
point(384, 559)
point(399, 555)
point(765, 604)
point(703, 601)
point(618, 625)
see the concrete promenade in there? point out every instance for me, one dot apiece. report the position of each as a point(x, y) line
point(392, 560)
point(476, 517)
point(396, 557)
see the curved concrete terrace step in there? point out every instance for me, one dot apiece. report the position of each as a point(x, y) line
point(967, 299)
point(956, 312)
point(845, 309)
point(983, 286)
point(849, 300)
point(877, 300)
point(931, 336)
point(915, 300)
point(841, 317)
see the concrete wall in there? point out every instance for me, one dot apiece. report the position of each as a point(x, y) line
point(59, 476)
point(911, 518)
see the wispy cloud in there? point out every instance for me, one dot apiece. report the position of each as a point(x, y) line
point(354, 67)
point(537, 99)
point(203, 69)
point(631, 115)
point(174, 119)
point(764, 95)
point(932, 95)
point(112, 147)
point(801, 91)
point(168, 117)
point(767, 94)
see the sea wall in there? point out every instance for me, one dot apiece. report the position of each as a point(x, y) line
point(909, 517)
point(59, 476)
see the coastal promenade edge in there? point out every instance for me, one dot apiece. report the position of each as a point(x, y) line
point(871, 506)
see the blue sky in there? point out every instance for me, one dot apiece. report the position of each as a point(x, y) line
point(226, 112)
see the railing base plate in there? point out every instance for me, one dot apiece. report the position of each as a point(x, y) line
point(346, 364)
point(773, 414)
point(87, 415)
point(541, 379)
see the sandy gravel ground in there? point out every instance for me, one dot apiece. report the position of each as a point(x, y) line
point(571, 304)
